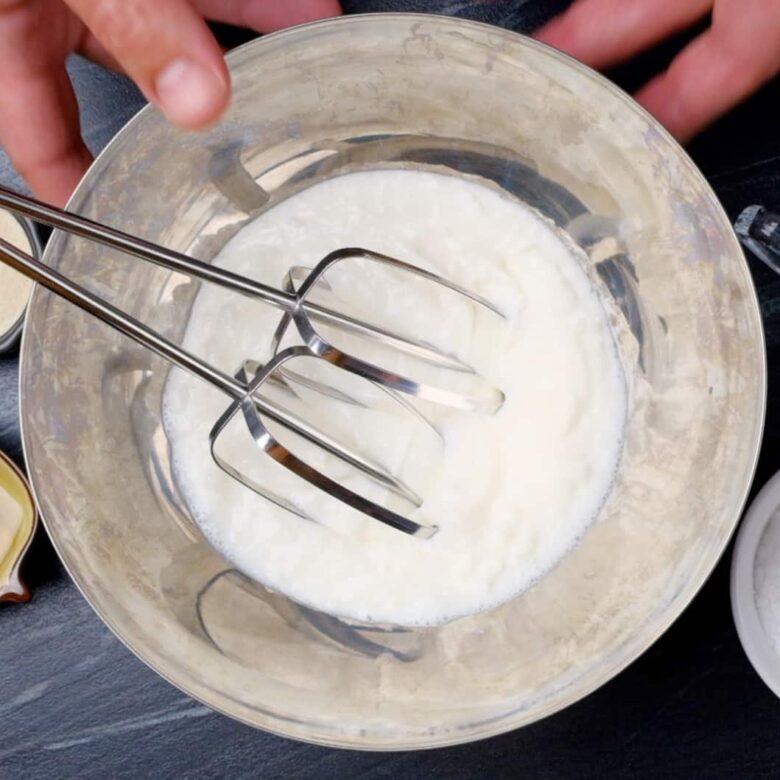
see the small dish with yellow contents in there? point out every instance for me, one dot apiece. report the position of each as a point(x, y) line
point(18, 520)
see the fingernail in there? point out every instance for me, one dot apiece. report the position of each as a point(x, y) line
point(189, 93)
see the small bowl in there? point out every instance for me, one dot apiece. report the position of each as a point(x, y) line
point(765, 659)
point(10, 338)
point(15, 496)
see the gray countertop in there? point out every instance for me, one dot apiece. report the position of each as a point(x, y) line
point(74, 702)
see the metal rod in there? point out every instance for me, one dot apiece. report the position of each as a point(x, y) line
point(52, 280)
point(116, 239)
point(124, 323)
point(170, 259)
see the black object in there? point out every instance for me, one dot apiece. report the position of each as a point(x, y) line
point(766, 228)
point(759, 231)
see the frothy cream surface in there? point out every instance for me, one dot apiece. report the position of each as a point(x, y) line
point(510, 493)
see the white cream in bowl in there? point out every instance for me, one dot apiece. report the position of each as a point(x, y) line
point(512, 492)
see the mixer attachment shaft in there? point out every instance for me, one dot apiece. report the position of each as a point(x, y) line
point(296, 300)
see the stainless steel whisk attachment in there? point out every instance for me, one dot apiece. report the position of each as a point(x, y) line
point(276, 377)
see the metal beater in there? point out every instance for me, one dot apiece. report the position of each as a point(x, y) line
point(244, 388)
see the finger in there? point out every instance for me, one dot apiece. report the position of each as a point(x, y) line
point(267, 15)
point(168, 50)
point(709, 77)
point(91, 48)
point(39, 128)
point(602, 33)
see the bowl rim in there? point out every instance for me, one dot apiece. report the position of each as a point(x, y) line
point(510, 721)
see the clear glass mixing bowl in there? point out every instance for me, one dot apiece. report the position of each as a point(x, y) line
point(411, 92)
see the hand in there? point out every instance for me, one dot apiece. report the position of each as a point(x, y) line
point(720, 68)
point(163, 45)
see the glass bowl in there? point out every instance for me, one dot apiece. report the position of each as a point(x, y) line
point(400, 91)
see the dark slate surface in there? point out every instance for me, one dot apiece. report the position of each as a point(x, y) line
point(75, 703)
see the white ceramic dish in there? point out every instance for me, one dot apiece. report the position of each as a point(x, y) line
point(758, 648)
